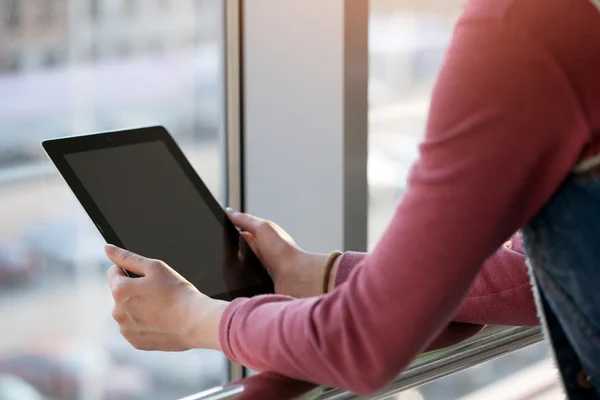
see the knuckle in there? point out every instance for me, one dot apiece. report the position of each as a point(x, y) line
point(112, 273)
point(265, 226)
point(118, 315)
point(119, 292)
point(139, 345)
point(154, 265)
point(125, 255)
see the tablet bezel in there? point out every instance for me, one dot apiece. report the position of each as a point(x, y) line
point(58, 148)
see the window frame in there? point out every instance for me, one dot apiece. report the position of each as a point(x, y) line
point(233, 125)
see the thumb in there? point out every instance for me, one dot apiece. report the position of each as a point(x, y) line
point(246, 222)
point(127, 260)
point(250, 240)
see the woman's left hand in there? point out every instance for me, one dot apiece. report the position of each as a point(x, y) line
point(160, 310)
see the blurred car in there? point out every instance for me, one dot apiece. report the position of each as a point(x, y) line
point(43, 371)
point(75, 372)
point(14, 388)
point(17, 265)
point(61, 244)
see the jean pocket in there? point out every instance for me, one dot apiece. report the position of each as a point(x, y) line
point(579, 328)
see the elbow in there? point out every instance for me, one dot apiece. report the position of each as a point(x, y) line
point(364, 366)
point(366, 384)
point(366, 378)
point(367, 388)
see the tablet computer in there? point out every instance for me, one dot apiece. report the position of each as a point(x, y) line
point(143, 195)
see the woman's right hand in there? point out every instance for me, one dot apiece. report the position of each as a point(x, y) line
point(294, 272)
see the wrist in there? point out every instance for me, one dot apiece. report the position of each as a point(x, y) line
point(319, 265)
point(205, 317)
point(316, 264)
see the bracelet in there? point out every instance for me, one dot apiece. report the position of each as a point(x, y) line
point(327, 270)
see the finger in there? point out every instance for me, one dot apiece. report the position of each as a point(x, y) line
point(115, 276)
point(120, 284)
point(251, 241)
point(244, 221)
point(115, 273)
point(127, 260)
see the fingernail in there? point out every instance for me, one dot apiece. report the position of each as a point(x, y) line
point(229, 210)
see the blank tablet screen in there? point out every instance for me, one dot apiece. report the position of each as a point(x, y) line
point(156, 211)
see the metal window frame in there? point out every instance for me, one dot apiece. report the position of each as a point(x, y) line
point(233, 123)
point(350, 161)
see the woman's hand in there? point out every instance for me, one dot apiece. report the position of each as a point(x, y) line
point(160, 310)
point(294, 272)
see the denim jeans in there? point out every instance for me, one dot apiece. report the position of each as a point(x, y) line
point(563, 247)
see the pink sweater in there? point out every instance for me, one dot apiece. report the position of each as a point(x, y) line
point(513, 110)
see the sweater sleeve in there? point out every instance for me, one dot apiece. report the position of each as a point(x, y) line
point(505, 128)
point(500, 295)
point(348, 262)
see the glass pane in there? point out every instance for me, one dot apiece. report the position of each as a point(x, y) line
point(407, 43)
point(78, 66)
point(524, 374)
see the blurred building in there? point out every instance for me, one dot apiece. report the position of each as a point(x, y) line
point(44, 33)
point(122, 28)
point(33, 33)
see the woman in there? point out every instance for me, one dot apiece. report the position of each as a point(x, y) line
point(511, 144)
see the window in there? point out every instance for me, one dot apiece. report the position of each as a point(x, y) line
point(94, 51)
point(124, 50)
point(525, 374)
point(47, 11)
point(155, 45)
point(406, 46)
point(15, 63)
point(13, 16)
point(50, 59)
point(59, 339)
point(164, 4)
point(129, 7)
point(94, 7)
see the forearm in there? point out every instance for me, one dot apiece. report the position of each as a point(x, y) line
point(344, 265)
point(500, 295)
point(343, 268)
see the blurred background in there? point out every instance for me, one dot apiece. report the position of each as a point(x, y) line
point(78, 66)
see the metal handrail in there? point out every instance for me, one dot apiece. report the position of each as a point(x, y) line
point(218, 393)
point(491, 343)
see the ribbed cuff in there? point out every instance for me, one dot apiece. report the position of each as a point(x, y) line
point(225, 328)
point(348, 261)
